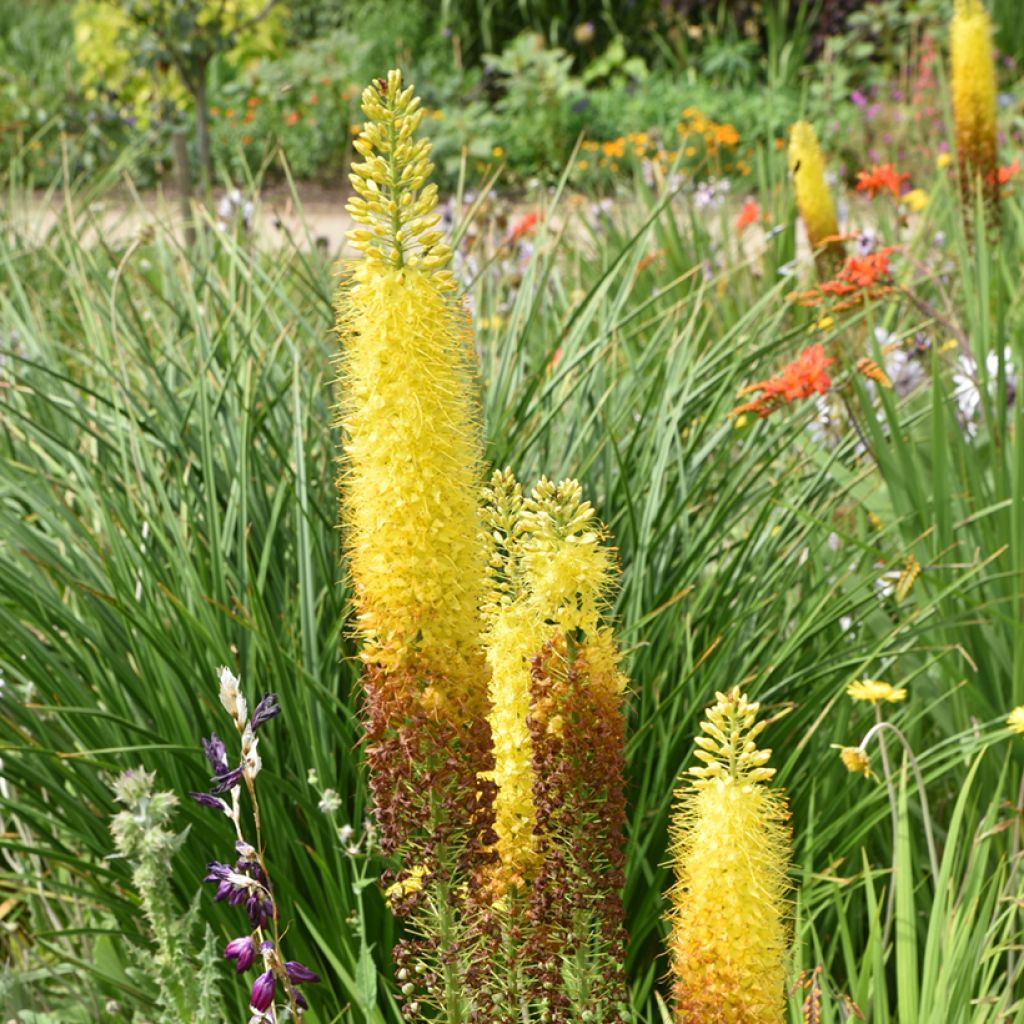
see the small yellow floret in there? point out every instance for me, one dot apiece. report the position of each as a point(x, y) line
point(915, 200)
point(875, 690)
point(1015, 720)
point(856, 761)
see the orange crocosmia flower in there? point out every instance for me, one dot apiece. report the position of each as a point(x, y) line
point(749, 214)
point(880, 178)
point(524, 225)
point(1003, 175)
point(863, 275)
point(804, 376)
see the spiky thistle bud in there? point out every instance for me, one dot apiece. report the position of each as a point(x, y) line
point(409, 480)
point(814, 199)
point(557, 724)
point(730, 847)
point(973, 85)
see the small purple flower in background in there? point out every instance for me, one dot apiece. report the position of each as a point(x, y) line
point(245, 883)
point(298, 973)
point(228, 779)
point(207, 800)
point(266, 709)
point(216, 754)
point(242, 951)
point(263, 992)
point(859, 99)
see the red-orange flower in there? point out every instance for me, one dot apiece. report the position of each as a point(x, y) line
point(804, 376)
point(861, 277)
point(292, 118)
point(1003, 175)
point(880, 178)
point(749, 214)
point(524, 225)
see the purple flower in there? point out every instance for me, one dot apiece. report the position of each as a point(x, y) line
point(263, 992)
point(859, 98)
point(227, 779)
point(298, 973)
point(243, 951)
point(210, 801)
point(259, 910)
point(265, 710)
point(215, 753)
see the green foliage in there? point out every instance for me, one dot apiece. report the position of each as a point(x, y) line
point(151, 56)
point(183, 975)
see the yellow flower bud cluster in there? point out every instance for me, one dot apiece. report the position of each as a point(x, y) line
point(730, 845)
point(394, 202)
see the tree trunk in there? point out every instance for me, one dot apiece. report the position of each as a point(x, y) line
point(179, 145)
point(203, 136)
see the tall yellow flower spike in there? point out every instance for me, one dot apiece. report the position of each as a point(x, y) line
point(813, 198)
point(730, 846)
point(409, 418)
point(550, 572)
point(973, 85)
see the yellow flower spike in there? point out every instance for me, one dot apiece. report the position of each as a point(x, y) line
point(729, 842)
point(813, 198)
point(1015, 719)
point(973, 86)
point(875, 690)
point(549, 575)
point(409, 419)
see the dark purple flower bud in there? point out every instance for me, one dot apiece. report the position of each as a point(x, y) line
point(215, 753)
point(266, 709)
point(263, 991)
point(210, 801)
point(258, 910)
point(237, 896)
point(298, 973)
point(227, 779)
point(224, 889)
point(300, 1001)
point(243, 950)
point(216, 871)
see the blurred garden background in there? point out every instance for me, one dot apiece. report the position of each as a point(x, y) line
point(812, 474)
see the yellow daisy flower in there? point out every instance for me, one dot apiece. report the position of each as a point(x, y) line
point(875, 690)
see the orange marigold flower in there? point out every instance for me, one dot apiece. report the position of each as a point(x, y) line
point(726, 134)
point(880, 178)
point(252, 101)
point(293, 117)
point(749, 214)
point(804, 376)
